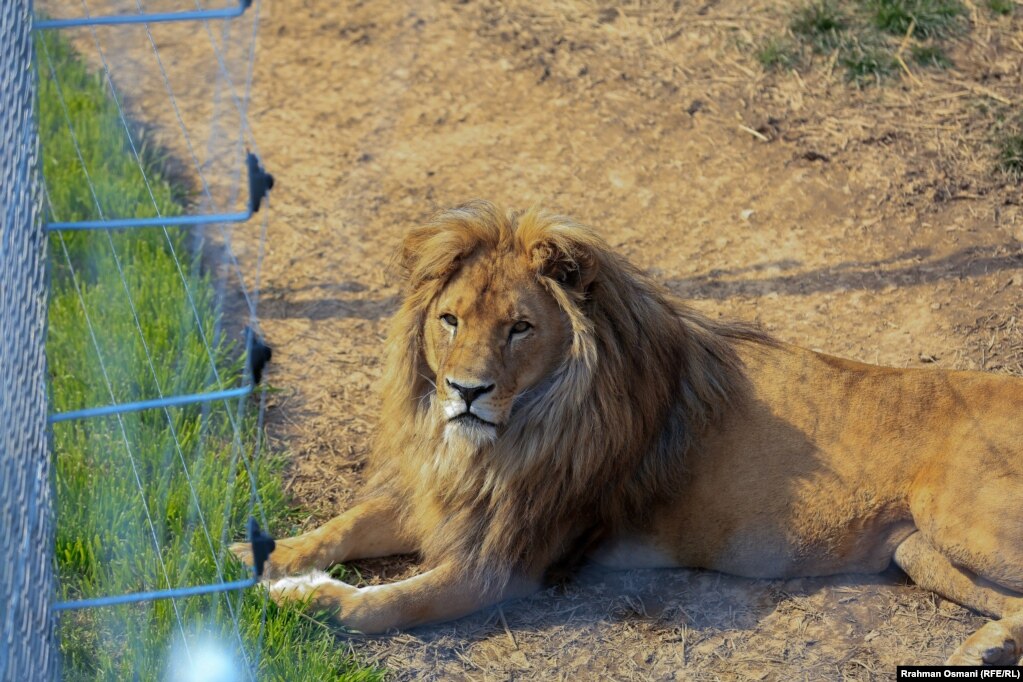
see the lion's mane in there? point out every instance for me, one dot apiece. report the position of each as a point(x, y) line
point(589, 451)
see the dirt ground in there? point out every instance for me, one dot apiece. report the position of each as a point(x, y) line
point(869, 223)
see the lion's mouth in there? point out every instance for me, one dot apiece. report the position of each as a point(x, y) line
point(469, 418)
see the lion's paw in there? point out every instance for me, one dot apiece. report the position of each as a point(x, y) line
point(993, 644)
point(243, 551)
point(319, 590)
point(299, 587)
point(281, 562)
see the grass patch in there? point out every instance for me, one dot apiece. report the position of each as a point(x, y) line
point(930, 55)
point(929, 18)
point(1004, 136)
point(821, 24)
point(1010, 154)
point(865, 64)
point(108, 470)
point(777, 53)
point(1001, 7)
point(867, 36)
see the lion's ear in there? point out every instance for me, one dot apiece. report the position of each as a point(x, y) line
point(411, 252)
point(570, 264)
point(434, 250)
point(430, 253)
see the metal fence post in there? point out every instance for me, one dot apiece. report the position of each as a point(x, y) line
point(28, 645)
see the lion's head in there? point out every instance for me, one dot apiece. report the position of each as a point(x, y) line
point(491, 335)
point(493, 316)
point(534, 374)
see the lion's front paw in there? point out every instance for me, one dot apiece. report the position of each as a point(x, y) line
point(281, 562)
point(993, 644)
point(322, 592)
point(243, 551)
point(297, 588)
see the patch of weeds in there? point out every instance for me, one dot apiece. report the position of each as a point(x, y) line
point(1005, 135)
point(1010, 154)
point(821, 24)
point(777, 53)
point(1002, 7)
point(867, 64)
point(868, 34)
point(930, 55)
point(929, 18)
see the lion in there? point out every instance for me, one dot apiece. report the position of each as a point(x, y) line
point(545, 402)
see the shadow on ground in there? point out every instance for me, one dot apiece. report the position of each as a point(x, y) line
point(913, 269)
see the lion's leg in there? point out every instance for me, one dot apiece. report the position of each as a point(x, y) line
point(371, 529)
point(932, 570)
point(441, 594)
point(999, 642)
point(967, 508)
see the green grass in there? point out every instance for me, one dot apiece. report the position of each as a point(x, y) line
point(866, 64)
point(104, 542)
point(822, 24)
point(1004, 135)
point(1001, 7)
point(1010, 154)
point(777, 53)
point(865, 36)
point(930, 55)
point(929, 18)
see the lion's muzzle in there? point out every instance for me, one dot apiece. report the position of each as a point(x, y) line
point(469, 392)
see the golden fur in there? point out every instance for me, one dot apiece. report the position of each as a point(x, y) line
point(544, 400)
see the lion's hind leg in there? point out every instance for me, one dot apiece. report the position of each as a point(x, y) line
point(999, 642)
point(367, 530)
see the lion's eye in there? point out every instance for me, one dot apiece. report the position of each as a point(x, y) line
point(521, 327)
point(449, 319)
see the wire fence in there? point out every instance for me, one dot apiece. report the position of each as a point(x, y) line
point(155, 353)
point(27, 650)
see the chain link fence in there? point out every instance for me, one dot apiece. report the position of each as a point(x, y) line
point(27, 636)
point(34, 101)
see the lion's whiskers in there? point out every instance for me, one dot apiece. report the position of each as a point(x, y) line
point(427, 395)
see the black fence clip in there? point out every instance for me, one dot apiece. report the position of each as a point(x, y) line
point(262, 546)
point(258, 354)
point(260, 182)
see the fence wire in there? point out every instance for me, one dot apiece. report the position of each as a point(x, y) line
point(27, 648)
point(186, 463)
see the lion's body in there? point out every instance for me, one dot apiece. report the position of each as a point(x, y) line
point(827, 465)
point(543, 400)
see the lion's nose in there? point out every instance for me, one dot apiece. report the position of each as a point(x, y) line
point(470, 393)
